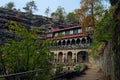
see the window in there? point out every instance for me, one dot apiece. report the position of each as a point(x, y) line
point(56, 34)
point(79, 30)
point(49, 35)
point(75, 31)
point(67, 32)
point(60, 34)
point(71, 31)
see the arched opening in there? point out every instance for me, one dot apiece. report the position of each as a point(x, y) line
point(63, 43)
point(82, 56)
point(89, 40)
point(83, 41)
point(78, 41)
point(73, 42)
point(60, 57)
point(59, 43)
point(69, 56)
point(68, 42)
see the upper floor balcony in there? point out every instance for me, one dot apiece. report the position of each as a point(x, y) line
point(71, 43)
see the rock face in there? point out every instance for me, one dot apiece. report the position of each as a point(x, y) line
point(23, 18)
point(106, 62)
point(29, 21)
point(110, 60)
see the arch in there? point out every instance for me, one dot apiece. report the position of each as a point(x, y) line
point(63, 43)
point(69, 56)
point(73, 41)
point(59, 43)
point(60, 56)
point(83, 41)
point(89, 40)
point(82, 56)
point(78, 41)
point(68, 42)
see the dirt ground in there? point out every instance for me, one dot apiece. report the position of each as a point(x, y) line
point(93, 73)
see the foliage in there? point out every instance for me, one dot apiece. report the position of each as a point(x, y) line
point(47, 11)
point(72, 16)
point(10, 5)
point(90, 12)
point(59, 14)
point(23, 53)
point(30, 7)
point(59, 69)
point(60, 34)
point(105, 27)
point(78, 68)
point(103, 30)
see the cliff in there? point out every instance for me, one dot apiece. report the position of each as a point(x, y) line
point(27, 20)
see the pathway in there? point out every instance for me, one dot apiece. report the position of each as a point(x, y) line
point(92, 73)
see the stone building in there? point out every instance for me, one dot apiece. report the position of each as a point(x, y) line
point(69, 45)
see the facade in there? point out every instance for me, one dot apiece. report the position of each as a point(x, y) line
point(69, 45)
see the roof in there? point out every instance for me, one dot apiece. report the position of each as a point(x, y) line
point(63, 29)
point(70, 36)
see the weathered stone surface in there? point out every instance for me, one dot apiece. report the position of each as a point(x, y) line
point(29, 21)
point(23, 18)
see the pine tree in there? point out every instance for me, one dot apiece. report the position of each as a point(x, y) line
point(30, 7)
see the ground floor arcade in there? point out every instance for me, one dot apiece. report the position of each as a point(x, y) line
point(70, 58)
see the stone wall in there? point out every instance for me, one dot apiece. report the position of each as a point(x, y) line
point(106, 62)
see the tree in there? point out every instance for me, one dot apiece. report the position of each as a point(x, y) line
point(90, 12)
point(30, 7)
point(23, 53)
point(47, 11)
point(59, 14)
point(10, 5)
point(72, 16)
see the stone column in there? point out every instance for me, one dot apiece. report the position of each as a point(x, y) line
point(76, 57)
point(63, 58)
point(57, 57)
point(80, 42)
point(85, 40)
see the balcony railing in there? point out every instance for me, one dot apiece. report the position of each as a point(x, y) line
point(62, 47)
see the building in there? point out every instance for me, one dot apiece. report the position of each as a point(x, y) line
point(69, 45)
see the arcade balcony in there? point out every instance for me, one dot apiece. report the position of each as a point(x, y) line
point(72, 43)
